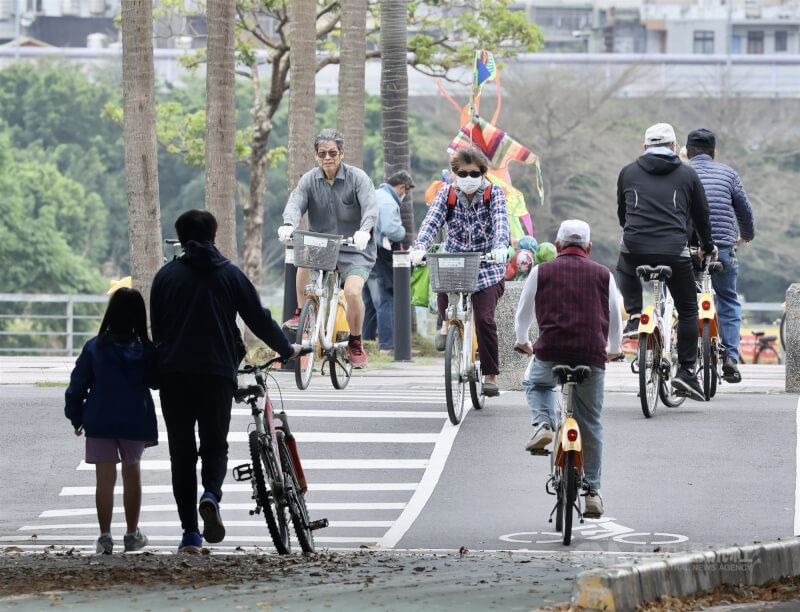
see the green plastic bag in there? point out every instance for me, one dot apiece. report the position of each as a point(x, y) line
point(420, 286)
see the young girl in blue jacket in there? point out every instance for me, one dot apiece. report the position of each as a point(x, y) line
point(109, 398)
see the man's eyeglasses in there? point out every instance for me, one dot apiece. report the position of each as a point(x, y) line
point(472, 173)
point(324, 154)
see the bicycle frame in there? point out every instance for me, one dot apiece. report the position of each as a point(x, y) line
point(707, 305)
point(322, 288)
point(569, 433)
point(655, 317)
point(459, 312)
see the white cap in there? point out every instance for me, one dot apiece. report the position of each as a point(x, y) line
point(573, 230)
point(660, 133)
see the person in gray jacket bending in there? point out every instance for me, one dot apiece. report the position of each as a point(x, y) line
point(339, 199)
point(732, 223)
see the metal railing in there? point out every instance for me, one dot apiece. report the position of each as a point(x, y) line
point(69, 318)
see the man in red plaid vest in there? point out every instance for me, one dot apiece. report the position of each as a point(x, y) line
point(576, 304)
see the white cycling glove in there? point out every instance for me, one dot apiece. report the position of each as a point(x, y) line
point(499, 256)
point(285, 232)
point(416, 256)
point(360, 240)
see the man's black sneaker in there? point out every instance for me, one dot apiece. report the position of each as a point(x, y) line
point(730, 373)
point(687, 382)
point(631, 327)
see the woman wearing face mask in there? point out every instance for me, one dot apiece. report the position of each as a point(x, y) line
point(474, 224)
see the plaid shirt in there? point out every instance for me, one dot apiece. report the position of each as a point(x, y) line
point(471, 228)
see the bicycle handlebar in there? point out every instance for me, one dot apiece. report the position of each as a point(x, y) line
point(484, 256)
point(255, 369)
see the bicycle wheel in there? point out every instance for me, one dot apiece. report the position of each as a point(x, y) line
point(341, 368)
point(453, 385)
point(768, 353)
point(560, 495)
point(296, 499)
point(712, 389)
point(476, 388)
point(665, 390)
point(704, 357)
point(305, 334)
point(570, 493)
point(649, 379)
point(278, 526)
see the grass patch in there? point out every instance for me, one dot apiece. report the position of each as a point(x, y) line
point(51, 384)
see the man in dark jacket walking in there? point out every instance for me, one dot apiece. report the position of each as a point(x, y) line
point(732, 223)
point(657, 198)
point(193, 306)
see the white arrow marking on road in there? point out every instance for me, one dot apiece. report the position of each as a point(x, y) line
point(308, 464)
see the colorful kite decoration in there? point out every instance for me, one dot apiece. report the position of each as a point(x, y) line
point(498, 146)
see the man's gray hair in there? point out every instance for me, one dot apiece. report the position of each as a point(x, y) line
point(583, 245)
point(327, 135)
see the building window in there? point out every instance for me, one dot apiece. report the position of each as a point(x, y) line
point(703, 41)
point(781, 38)
point(755, 42)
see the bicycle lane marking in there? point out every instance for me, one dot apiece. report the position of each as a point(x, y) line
point(436, 463)
point(601, 529)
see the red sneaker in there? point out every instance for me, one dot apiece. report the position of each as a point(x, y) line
point(294, 322)
point(355, 351)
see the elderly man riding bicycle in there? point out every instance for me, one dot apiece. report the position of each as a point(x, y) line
point(577, 310)
point(339, 199)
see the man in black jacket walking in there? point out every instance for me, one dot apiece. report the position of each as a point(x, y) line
point(658, 199)
point(193, 306)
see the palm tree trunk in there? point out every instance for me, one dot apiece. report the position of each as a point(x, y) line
point(221, 125)
point(394, 100)
point(141, 152)
point(350, 112)
point(302, 88)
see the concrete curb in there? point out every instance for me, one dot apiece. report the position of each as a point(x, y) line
point(624, 587)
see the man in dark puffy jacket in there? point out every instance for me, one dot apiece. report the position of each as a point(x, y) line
point(193, 306)
point(731, 224)
point(657, 199)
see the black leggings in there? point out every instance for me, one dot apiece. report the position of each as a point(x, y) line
point(684, 293)
point(187, 399)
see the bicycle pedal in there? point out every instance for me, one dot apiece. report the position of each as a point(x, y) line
point(243, 473)
point(540, 451)
point(591, 515)
point(319, 524)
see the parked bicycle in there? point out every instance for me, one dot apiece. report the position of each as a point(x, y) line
point(764, 349)
point(657, 353)
point(456, 274)
point(324, 303)
point(275, 472)
point(710, 350)
point(566, 455)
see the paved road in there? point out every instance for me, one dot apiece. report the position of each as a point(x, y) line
point(390, 472)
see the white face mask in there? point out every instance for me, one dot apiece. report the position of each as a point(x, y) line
point(468, 184)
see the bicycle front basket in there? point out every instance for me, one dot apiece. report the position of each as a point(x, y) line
point(454, 272)
point(316, 251)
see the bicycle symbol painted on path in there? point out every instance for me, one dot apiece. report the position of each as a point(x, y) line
point(600, 529)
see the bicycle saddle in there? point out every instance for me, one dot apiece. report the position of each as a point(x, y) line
point(566, 373)
point(767, 339)
point(714, 267)
point(654, 272)
point(757, 333)
point(239, 395)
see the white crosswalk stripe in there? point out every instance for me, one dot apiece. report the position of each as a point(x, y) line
point(365, 454)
